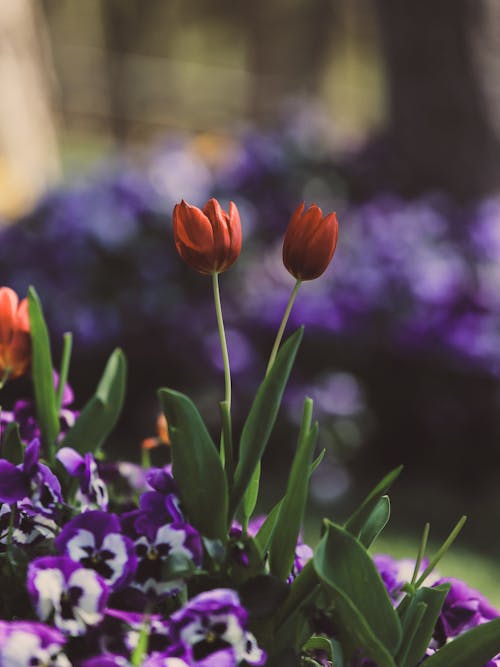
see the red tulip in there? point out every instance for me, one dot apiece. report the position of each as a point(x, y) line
point(15, 340)
point(309, 242)
point(207, 239)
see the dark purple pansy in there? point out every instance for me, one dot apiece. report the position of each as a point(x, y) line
point(31, 479)
point(92, 493)
point(154, 545)
point(27, 644)
point(67, 594)
point(119, 661)
point(210, 631)
point(128, 625)
point(463, 608)
point(94, 540)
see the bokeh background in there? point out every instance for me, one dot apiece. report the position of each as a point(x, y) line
point(388, 112)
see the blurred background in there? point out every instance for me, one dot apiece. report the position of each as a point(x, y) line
point(387, 112)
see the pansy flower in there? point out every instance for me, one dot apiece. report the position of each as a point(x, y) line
point(65, 593)
point(94, 540)
point(26, 643)
point(210, 631)
point(154, 545)
point(29, 525)
point(93, 493)
point(32, 480)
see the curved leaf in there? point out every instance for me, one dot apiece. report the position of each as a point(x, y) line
point(473, 648)
point(196, 465)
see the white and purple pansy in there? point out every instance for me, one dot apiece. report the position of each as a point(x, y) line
point(94, 540)
point(210, 631)
point(154, 545)
point(27, 644)
point(67, 594)
point(29, 527)
point(32, 480)
point(93, 493)
point(110, 660)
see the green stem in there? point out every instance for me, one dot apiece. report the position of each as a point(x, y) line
point(284, 321)
point(226, 434)
point(64, 368)
point(447, 544)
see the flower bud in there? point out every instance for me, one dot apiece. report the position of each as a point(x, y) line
point(207, 239)
point(15, 340)
point(309, 242)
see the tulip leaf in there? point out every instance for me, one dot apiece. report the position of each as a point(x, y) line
point(376, 522)
point(264, 535)
point(260, 420)
point(196, 465)
point(419, 621)
point(100, 414)
point(474, 647)
point(12, 446)
point(43, 375)
point(289, 523)
point(367, 619)
point(251, 494)
point(357, 520)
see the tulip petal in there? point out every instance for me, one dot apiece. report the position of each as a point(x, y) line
point(8, 309)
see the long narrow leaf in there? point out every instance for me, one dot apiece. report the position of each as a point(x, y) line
point(196, 465)
point(474, 647)
point(289, 523)
point(263, 537)
point(367, 616)
point(376, 522)
point(100, 414)
point(260, 421)
point(43, 375)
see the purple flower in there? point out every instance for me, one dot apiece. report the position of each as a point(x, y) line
point(154, 545)
point(93, 493)
point(32, 480)
point(94, 540)
point(67, 594)
point(210, 631)
point(463, 608)
point(30, 526)
point(25, 643)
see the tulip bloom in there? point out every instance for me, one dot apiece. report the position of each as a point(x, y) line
point(207, 239)
point(15, 340)
point(310, 242)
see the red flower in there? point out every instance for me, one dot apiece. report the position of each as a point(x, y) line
point(15, 340)
point(207, 239)
point(309, 242)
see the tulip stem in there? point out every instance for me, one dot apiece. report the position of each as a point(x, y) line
point(4, 378)
point(226, 409)
point(284, 321)
point(64, 368)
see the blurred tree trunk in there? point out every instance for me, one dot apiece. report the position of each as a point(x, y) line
point(288, 43)
point(443, 64)
point(29, 157)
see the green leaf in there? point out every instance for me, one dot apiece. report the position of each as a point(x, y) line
point(357, 520)
point(43, 375)
point(100, 414)
point(251, 494)
point(319, 643)
point(301, 589)
point(318, 460)
point(419, 622)
point(196, 465)
point(474, 647)
point(263, 537)
point(141, 648)
point(376, 522)
point(260, 421)
point(289, 523)
point(365, 613)
point(12, 446)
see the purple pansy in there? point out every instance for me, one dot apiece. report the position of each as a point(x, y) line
point(25, 644)
point(94, 540)
point(463, 608)
point(154, 545)
point(66, 593)
point(92, 493)
point(29, 525)
point(210, 631)
point(32, 480)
